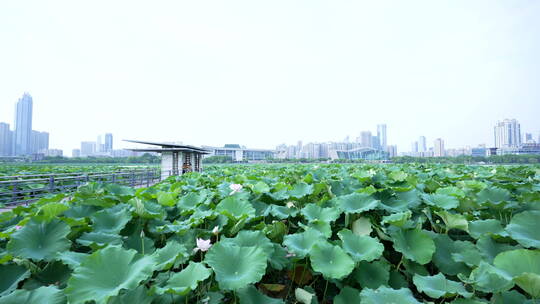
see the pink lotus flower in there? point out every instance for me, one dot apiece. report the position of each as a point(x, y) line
point(18, 227)
point(235, 188)
point(202, 245)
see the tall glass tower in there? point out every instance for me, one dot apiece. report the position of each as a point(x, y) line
point(22, 139)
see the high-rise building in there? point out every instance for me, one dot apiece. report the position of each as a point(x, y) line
point(76, 153)
point(381, 134)
point(528, 138)
point(365, 139)
point(22, 140)
point(39, 142)
point(422, 147)
point(392, 151)
point(438, 148)
point(414, 147)
point(6, 136)
point(108, 142)
point(88, 148)
point(507, 134)
point(375, 143)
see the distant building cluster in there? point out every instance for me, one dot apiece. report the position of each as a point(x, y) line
point(102, 147)
point(365, 146)
point(22, 140)
point(507, 137)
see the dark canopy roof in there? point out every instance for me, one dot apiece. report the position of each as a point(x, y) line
point(167, 147)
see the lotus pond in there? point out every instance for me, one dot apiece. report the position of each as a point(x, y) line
point(365, 234)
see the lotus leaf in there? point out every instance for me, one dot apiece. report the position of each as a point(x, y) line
point(236, 267)
point(40, 240)
point(414, 244)
point(361, 248)
point(105, 272)
point(331, 260)
point(525, 228)
point(438, 286)
point(357, 203)
point(385, 295)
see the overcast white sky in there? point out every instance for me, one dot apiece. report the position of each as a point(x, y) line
point(261, 73)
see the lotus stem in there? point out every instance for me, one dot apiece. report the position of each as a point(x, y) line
point(325, 288)
point(292, 280)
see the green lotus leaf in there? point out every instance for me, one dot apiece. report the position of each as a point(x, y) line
point(399, 219)
point(510, 297)
point(300, 190)
point(372, 275)
point(361, 248)
point(52, 210)
point(467, 253)
point(10, 276)
point(347, 295)
point(235, 207)
point(402, 201)
point(183, 282)
point(525, 228)
point(451, 190)
point(166, 199)
point(261, 187)
point(191, 200)
point(278, 259)
point(416, 245)
point(331, 261)
point(493, 195)
point(438, 286)
point(96, 240)
point(524, 266)
point(250, 238)
point(441, 200)
point(172, 252)
point(49, 295)
point(119, 190)
point(397, 176)
point(71, 258)
point(489, 279)
point(454, 221)
point(313, 212)
point(80, 211)
point(489, 249)
point(356, 203)
point(250, 295)
point(147, 209)
point(236, 267)
point(282, 212)
point(468, 301)
point(362, 226)
point(486, 227)
point(397, 280)
point(385, 295)
point(105, 272)
point(302, 243)
point(40, 240)
point(324, 228)
point(138, 295)
point(111, 220)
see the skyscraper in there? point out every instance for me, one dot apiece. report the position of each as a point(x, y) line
point(88, 148)
point(365, 139)
point(23, 126)
point(381, 134)
point(6, 136)
point(507, 134)
point(108, 142)
point(422, 147)
point(39, 141)
point(438, 148)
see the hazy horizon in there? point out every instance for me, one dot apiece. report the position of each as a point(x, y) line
point(263, 74)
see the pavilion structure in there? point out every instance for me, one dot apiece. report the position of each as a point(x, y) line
point(175, 159)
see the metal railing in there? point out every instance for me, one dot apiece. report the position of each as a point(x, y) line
point(24, 189)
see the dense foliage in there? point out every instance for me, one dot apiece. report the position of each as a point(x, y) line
point(46, 169)
point(146, 158)
point(292, 233)
point(467, 159)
